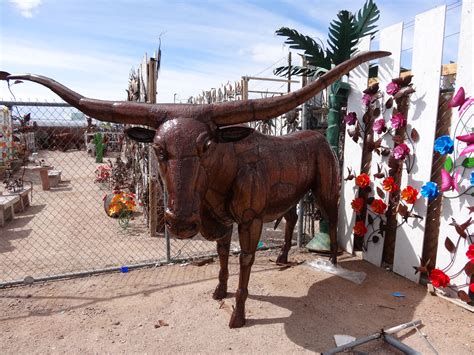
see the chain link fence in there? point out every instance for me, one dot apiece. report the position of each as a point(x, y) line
point(63, 176)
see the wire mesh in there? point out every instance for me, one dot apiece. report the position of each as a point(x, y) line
point(55, 160)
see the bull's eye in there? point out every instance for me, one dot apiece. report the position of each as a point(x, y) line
point(161, 154)
point(203, 142)
point(207, 144)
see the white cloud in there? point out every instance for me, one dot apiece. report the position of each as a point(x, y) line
point(27, 8)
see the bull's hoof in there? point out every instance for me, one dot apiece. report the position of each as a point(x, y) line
point(236, 320)
point(220, 292)
point(282, 259)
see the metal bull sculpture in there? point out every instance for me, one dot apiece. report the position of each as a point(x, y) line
point(217, 175)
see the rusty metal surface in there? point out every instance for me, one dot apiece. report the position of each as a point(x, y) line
point(216, 176)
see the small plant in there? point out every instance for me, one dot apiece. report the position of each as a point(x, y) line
point(99, 147)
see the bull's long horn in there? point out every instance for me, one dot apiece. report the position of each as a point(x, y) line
point(124, 112)
point(262, 109)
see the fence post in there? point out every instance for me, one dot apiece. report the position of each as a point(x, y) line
point(152, 193)
point(389, 68)
point(358, 79)
point(422, 116)
point(457, 207)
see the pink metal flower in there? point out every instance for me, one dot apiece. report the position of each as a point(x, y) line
point(458, 99)
point(467, 138)
point(467, 150)
point(401, 151)
point(379, 126)
point(392, 88)
point(366, 99)
point(350, 119)
point(449, 182)
point(398, 120)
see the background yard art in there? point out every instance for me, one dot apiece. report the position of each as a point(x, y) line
point(408, 172)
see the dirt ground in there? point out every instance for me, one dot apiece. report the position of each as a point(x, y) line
point(289, 310)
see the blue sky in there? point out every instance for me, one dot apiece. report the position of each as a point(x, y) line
point(91, 46)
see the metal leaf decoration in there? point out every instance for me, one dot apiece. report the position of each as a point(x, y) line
point(468, 163)
point(448, 164)
point(449, 245)
point(313, 52)
point(461, 228)
point(414, 135)
point(463, 296)
point(366, 18)
point(469, 268)
point(342, 37)
point(380, 192)
point(370, 219)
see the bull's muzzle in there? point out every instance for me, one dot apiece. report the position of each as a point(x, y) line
point(182, 227)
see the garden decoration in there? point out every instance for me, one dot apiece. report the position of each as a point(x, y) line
point(343, 37)
point(379, 198)
point(99, 147)
point(217, 175)
point(120, 205)
point(457, 182)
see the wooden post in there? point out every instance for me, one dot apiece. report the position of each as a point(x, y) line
point(245, 88)
point(289, 71)
point(152, 192)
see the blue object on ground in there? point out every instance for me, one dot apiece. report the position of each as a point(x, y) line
point(124, 269)
point(398, 294)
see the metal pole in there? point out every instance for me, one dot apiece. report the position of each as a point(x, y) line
point(299, 238)
point(167, 234)
point(353, 344)
point(399, 345)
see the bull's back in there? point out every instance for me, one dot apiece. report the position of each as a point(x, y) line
point(289, 164)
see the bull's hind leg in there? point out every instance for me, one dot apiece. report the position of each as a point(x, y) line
point(290, 218)
point(223, 248)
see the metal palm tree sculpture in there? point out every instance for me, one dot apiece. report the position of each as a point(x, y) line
point(344, 34)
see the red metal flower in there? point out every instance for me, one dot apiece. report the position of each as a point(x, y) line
point(378, 206)
point(357, 204)
point(360, 229)
point(409, 195)
point(439, 279)
point(470, 253)
point(471, 287)
point(389, 184)
point(363, 180)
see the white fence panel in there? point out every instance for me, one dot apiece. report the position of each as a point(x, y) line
point(457, 207)
point(358, 79)
point(389, 68)
point(426, 70)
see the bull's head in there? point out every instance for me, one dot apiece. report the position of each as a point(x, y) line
point(185, 135)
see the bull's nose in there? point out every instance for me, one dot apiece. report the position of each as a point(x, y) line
point(182, 227)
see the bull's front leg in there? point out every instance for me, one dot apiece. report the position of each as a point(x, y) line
point(249, 235)
point(223, 249)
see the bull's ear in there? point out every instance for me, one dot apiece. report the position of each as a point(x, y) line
point(140, 134)
point(232, 134)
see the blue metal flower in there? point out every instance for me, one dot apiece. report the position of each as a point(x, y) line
point(444, 145)
point(430, 190)
point(472, 178)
